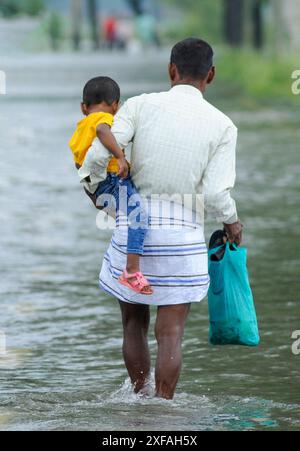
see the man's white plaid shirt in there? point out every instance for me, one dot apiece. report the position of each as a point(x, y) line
point(181, 145)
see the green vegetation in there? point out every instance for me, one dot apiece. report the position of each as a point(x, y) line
point(200, 18)
point(257, 77)
point(55, 29)
point(262, 76)
point(10, 8)
point(33, 7)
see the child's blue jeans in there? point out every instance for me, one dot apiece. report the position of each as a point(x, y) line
point(126, 201)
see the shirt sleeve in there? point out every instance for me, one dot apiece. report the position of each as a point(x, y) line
point(106, 119)
point(125, 123)
point(219, 179)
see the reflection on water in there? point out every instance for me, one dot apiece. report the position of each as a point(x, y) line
point(63, 368)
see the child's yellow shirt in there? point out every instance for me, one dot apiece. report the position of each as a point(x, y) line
point(85, 134)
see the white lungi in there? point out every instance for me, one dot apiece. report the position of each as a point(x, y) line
point(175, 262)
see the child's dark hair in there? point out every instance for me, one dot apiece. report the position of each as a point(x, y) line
point(101, 89)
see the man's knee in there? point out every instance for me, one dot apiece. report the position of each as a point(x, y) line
point(172, 334)
point(135, 318)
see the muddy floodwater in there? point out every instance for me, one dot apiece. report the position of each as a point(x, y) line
point(63, 367)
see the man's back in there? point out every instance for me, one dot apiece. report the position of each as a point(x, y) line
point(181, 145)
point(176, 134)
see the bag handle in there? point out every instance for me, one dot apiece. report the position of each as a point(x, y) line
point(230, 246)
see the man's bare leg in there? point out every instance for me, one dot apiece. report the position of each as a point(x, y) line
point(136, 320)
point(169, 332)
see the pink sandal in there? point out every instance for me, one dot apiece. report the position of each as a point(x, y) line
point(137, 284)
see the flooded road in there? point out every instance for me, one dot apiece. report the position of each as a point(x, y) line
point(63, 369)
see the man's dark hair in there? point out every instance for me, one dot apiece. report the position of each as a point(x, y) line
point(101, 89)
point(193, 58)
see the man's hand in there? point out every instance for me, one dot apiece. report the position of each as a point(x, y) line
point(234, 232)
point(123, 168)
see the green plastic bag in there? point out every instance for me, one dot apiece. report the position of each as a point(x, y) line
point(232, 312)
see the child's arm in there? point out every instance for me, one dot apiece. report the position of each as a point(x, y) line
point(109, 141)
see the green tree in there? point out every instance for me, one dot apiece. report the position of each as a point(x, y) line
point(55, 30)
point(258, 25)
point(9, 8)
point(287, 22)
point(136, 6)
point(234, 22)
point(33, 7)
point(201, 18)
point(94, 23)
point(76, 18)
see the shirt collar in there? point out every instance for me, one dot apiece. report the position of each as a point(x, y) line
point(187, 89)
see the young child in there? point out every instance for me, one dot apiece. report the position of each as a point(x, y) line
point(101, 100)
